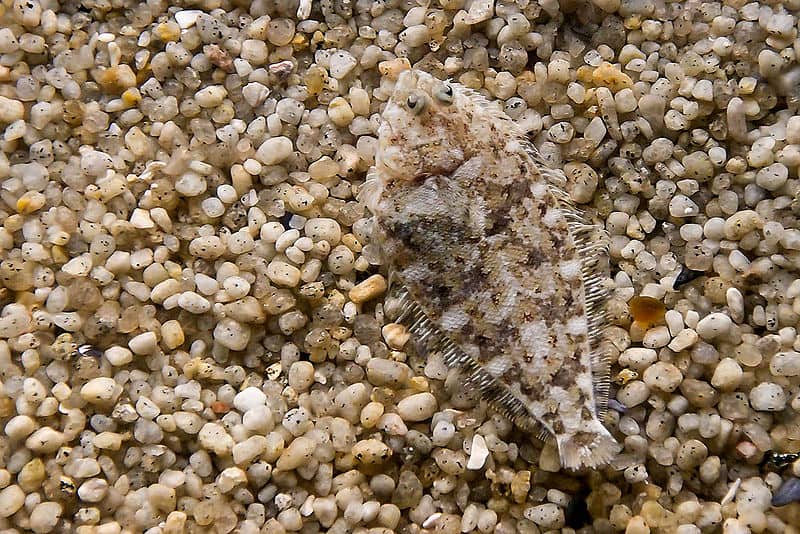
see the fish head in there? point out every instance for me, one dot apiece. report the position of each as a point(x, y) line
point(425, 129)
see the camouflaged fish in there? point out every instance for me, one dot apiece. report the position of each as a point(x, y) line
point(496, 263)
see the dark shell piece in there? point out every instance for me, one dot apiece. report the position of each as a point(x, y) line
point(777, 460)
point(88, 350)
point(577, 513)
point(617, 406)
point(686, 276)
point(789, 492)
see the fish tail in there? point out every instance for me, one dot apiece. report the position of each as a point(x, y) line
point(592, 447)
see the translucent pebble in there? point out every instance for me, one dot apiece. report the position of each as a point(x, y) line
point(772, 177)
point(280, 31)
point(341, 64)
point(785, 363)
point(683, 206)
point(415, 36)
point(190, 184)
point(213, 207)
point(232, 334)
point(240, 242)
point(211, 96)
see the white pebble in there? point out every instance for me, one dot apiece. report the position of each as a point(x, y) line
point(249, 398)
point(714, 325)
point(274, 150)
point(768, 397)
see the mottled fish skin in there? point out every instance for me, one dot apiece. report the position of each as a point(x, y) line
point(474, 231)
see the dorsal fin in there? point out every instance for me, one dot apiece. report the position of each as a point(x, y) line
point(592, 242)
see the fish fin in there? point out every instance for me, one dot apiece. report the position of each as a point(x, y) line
point(592, 448)
point(592, 243)
point(494, 392)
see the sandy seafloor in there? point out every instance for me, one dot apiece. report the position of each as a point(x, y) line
point(193, 337)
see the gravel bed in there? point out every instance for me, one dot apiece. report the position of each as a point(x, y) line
point(193, 335)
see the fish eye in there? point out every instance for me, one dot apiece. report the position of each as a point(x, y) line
point(445, 94)
point(416, 103)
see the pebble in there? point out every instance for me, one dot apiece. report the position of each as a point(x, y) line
point(381, 372)
point(11, 110)
point(342, 63)
point(714, 325)
point(371, 452)
point(45, 517)
point(418, 407)
point(727, 375)
point(663, 376)
point(274, 150)
point(11, 500)
point(144, 343)
point(248, 399)
point(633, 393)
point(232, 334)
point(768, 397)
point(283, 274)
point(340, 112)
point(299, 451)
point(548, 516)
point(101, 390)
point(787, 493)
point(214, 438)
point(372, 287)
point(683, 206)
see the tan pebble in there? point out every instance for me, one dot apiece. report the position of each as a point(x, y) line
point(372, 287)
point(371, 414)
point(371, 452)
point(176, 522)
point(340, 112)
point(108, 440)
point(393, 67)
point(396, 335)
point(610, 76)
point(116, 79)
point(31, 475)
point(14, 110)
point(283, 273)
point(172, 334)
point(299, 451)
point(637, 525)
point(417, 407)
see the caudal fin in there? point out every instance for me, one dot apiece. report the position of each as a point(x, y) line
point(593, 447)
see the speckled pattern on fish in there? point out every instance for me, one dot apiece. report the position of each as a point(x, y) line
point(472, 225)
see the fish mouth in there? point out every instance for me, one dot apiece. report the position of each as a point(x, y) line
point(406, 82)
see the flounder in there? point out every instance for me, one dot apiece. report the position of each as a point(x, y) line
point(496, 263)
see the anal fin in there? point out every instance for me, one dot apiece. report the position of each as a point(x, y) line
point(494, 392)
